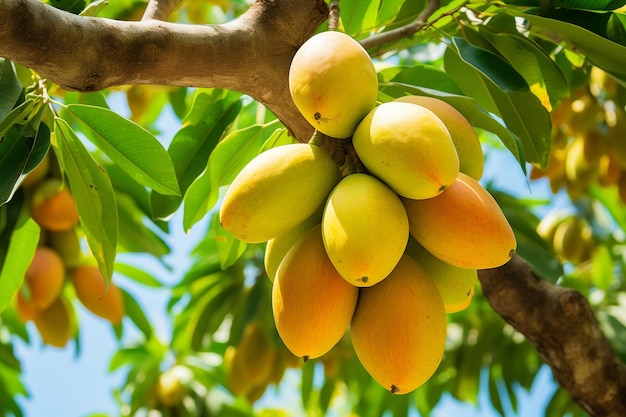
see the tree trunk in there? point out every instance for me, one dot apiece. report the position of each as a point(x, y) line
point(252, 55)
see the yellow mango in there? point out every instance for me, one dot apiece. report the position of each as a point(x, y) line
point(399, 328)
point(455, 284)
point(409, 148)
point(54, 323)
point(277, 248)
point(365, 229)
point(277, 190)
point(333, 83)
point(312, 304)
point(464, 226)
point(466, 142)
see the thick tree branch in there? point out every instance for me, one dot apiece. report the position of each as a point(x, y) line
point(561, 325)
point(251, 54)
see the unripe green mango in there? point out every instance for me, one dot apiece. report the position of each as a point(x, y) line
point(409, 148)
point(399, 328)
point(333, 83)
point(365, 229)
point(455, 284)
point(463, 226)
point(277, 190)
point(312, 304)
point(466, 142)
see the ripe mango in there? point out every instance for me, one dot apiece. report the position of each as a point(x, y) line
point(399, 328)
point(255, 355)
point(464, 226)
point(466, 142)
point(365, 229)
point(333, 83)
point(455, 284)
point(277, 190)
point(54, 323)
point(44, 277)
point(277, 248)
point(311, 302)
point(52, 206)
point(91, 290)
point(409, 148)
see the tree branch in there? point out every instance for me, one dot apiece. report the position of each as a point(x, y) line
point(561, 325)
point(251, 54)
point(159, 9)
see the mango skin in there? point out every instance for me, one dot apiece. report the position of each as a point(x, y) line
point(277, 190)
point(333, 82)
point(466, 142)
point(399, 328)
point(456, 285)
point(365, 229)
point(409, 148)
point(464, 226)
point(54, 323)
point(312, 304)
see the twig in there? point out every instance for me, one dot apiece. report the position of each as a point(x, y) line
point(403, 31)
point(159, 9)
point(333, 15)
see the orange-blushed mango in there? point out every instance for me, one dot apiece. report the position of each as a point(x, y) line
point(333, 82)
point(54, 323)
point(409, 148)
point(92, 292)
point(463, 226)
point(365, 229)
point(399, 328)
point(312, 304)
point(53, 206)
point(44, 277)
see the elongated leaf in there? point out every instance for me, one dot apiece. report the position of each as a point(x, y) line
point(22, 247)
point(229, 247)
point(94, 196)
point(10, 87)
point(572, 4)
point(506, 94)
point(606, 54)
point(225, 162)
point(133, 310)
point(20, 115)
point(356, 15)
point(191, 147)
point(130, 146)
point(14, 151)
point(134, 235)
point(137, 274)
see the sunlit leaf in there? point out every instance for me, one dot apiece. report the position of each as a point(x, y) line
point(136, 313)
point(94, 196)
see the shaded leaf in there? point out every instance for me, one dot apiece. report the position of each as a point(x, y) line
point(133, 310)
point(10, 87)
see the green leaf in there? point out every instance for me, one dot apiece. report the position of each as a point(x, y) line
point(130, 146)
point(229, 247)
point(502, 91)
point(418, 75)
point(191, 147)
point(135, 235)
point(356, 15)
point(72, 6)
point(20, 115)
point(15, 149)
point(140, 275)
point(94, 8)
point(94, 196)
point(602, 271)
point(572, 4)
point(225, 162)
point(602, 52)
point(22, 245)
point(133, 310)
point(10, 87)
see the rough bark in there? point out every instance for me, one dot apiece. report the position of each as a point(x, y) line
point(561, 325)
point(252, 55)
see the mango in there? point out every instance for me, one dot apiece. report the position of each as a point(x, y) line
point(409, 148)
point(54, 323)
point(44, 277)
point(277, 248)
point(171, 385)
point(365, 229)
point(52, 206)
point(255, 355)
point(455, 284)
point(466, 142)
point(311, 303)
point(91, 290)
point(399, 328)
point(277, 190)
point(464, 226)
point(333, 83)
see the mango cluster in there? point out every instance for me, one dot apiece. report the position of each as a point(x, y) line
point(387, 242)
point(588, 146)
point(59, 260)
point(570, 236)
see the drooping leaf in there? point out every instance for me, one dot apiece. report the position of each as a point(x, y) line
point(138, 274)
point(15, 149)
point(136, 313)
point(10, 87)
point(192, 145)
point(229, 247)
point(94, 196)
point(20, 115)
point(22, 245)
point(571, 4)
point(135, 235)
point(130, 146)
